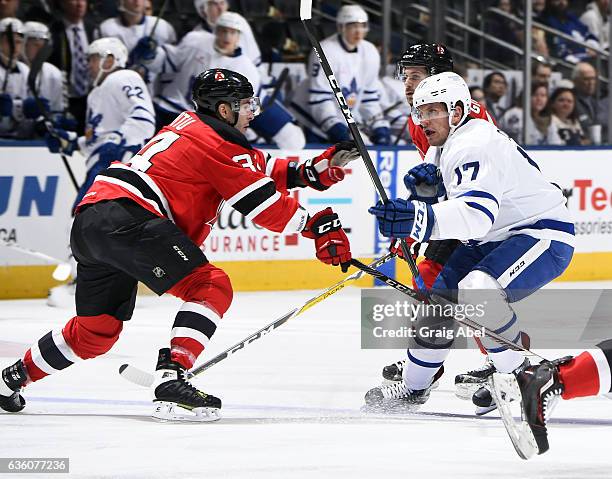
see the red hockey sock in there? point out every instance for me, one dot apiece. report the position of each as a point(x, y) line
point(584, 376)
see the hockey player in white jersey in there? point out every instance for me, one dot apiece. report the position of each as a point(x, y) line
point(180, 65)
point(484, 190)
point(49, 82)
point(356, 63)
point(210, 11)
point(14, 101)
point(120, 115)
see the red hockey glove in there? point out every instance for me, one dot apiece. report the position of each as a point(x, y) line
point(396, 247)
point(319, 172)
point(331, 244)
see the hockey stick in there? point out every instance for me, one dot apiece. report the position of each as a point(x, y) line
point(419, 297)
point(61, 273)
point(282, 78)
point(35, 68)
point(143, 378)
point(306, 17)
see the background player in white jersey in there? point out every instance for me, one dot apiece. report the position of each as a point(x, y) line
point(49, 82)
point(516, 230)
point(181, 64)
point(135, 30)
point(356, 63)
point(14, 101)
point(210, 11)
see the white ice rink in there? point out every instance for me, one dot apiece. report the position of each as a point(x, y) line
point(290, 406)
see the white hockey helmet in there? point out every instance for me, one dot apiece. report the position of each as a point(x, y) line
point(448, 88)
point(231, 20)
point(110, 46)
point(15, 23)
point(351, 14)
point(36, 30)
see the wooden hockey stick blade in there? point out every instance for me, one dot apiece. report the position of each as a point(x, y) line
point(145, 379)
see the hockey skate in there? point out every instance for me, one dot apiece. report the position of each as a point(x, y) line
point(397, 397)
point(536, 390)
point(484, 401)
point(393, 372)
point(176, 399)
point(467, 384)
point(13, 379)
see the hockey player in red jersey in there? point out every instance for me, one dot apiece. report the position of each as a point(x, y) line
point(144, 222)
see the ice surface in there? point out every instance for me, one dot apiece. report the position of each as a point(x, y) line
point(291, 406)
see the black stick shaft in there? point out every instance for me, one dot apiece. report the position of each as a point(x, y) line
point(348, 116)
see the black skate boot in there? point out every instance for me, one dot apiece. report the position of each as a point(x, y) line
point(393, 372)
point(13, 379)
point(176, 399)
point(467, 384)
point(484, 401)
point(397, 397)
point(537, 390)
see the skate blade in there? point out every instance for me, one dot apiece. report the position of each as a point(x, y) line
point(506, 390)
point(465, 391)
point(172, 412)
point(391, 408)
point(481, 411)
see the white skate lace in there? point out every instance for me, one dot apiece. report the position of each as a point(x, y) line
point(487, 365)
point(400, 364)
point(396, 391)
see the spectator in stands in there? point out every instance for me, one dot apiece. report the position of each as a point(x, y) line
point(495, 87)
point(49, 82)
point(596, 20)
point(538, 7)
point(211, 10)
point(70, 36)
point(592, 114)
point(562, 106)
point(356, 63)
point(541, 72)
point(558, 17)
point(8, 8)
point(477, 94)
point(540, 130)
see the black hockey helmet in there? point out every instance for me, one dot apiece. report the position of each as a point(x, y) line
point(435, 57)
point(218, 85)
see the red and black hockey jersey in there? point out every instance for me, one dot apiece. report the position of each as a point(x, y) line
point(477, 110)
point(195, 165)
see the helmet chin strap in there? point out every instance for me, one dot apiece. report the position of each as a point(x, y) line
point(102, 71)
point(133, 13)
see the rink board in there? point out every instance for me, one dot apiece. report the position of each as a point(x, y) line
point(36, 196)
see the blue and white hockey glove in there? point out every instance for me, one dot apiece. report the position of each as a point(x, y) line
point(31, 109)
point(144, 51)
point(400, 218)
point(62, 141)
point(339, 132)
point(109, 152)
point(381, 136)
point(6, 105)
point(424, 183)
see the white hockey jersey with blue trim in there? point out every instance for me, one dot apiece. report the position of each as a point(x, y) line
point(120, 105)
point(357, 76)
point(495, 190)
